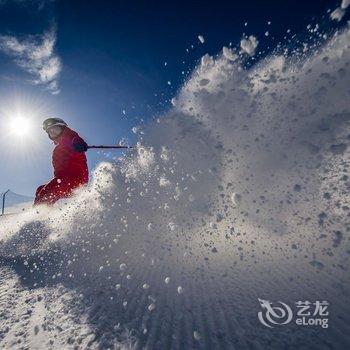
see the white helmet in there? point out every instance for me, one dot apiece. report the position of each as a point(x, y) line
point(50, 122)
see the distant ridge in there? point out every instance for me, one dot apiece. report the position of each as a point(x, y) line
point(13, 198)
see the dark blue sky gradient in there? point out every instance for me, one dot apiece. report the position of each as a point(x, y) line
point(113, 55)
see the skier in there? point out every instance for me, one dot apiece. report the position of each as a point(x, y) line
point(68, 160)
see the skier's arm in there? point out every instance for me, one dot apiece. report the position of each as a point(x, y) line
point(79, 145)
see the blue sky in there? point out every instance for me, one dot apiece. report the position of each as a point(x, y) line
point(100, 65)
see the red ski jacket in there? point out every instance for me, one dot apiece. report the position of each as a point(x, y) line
point(68, 158)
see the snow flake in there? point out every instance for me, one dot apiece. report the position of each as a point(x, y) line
point(151, 307)
point(196, 335)
point(249, 45)
point(201, 38)
point(229, 54)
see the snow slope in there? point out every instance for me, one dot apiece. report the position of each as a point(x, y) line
point(240, 192)
point(15, 202)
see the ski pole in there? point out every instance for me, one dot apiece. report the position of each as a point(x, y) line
point(3, 202)
point(122, 147)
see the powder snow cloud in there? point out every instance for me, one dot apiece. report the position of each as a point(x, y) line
point(36, 55)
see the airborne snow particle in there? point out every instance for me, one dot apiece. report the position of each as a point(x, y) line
point(249, 45)
point(196, 335)
point(163, 181)
point(345, 4)
point(180, 290)
point(213, 225)
point(167, 280)
point(337, 14)
point(135, 129)
point(201, 38)
point(145, 286)
point(152, 298)
point(171, 226)
point(122, 266)
point(165, 154)
point(229, 54)
point(206, 60)
point(151, 307)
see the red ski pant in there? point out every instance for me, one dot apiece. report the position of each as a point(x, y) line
point(56, 189)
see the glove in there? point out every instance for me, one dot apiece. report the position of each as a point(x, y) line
point(79, 145)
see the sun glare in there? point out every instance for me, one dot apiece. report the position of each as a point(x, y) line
point(20, 126)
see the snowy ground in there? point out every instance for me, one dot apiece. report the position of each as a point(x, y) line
point(18, 208)
point(239, 193)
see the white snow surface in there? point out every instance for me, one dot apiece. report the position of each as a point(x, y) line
point(238, 193)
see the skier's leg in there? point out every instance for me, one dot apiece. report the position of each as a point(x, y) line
point(38, 191)
point(57, 189)
point(49, 193)
point(38, 195)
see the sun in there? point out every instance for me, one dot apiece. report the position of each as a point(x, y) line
point(20, 126)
